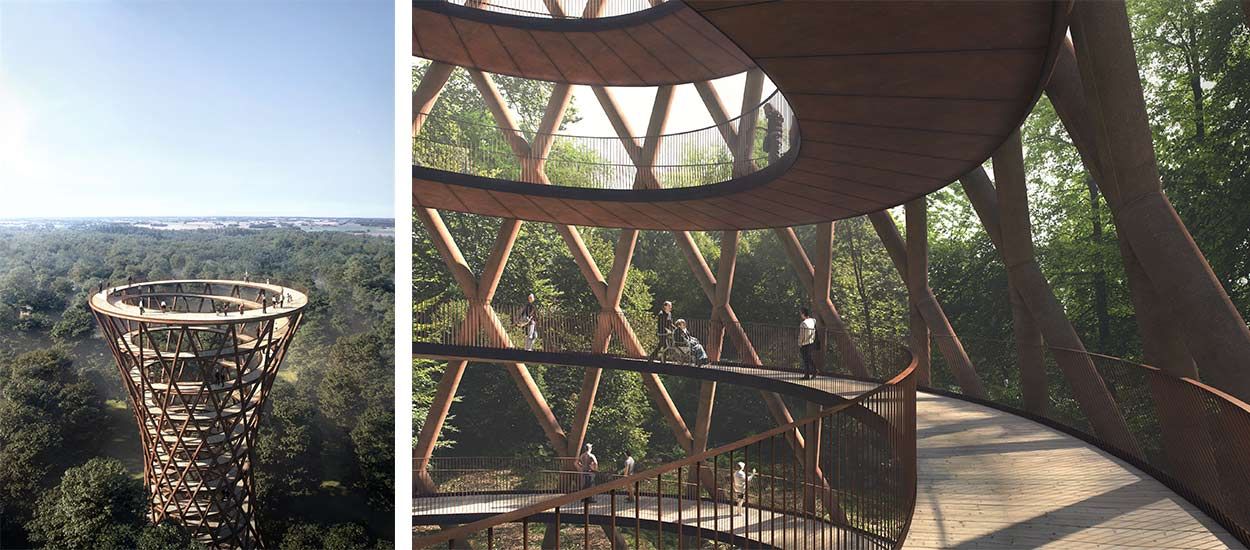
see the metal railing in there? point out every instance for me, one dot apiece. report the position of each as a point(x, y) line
point(563, 9)
point(1191, 436)
point(683, 159)
point(851, 483)
point(746, 348)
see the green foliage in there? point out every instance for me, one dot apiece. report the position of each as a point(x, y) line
point(373, 439)
point(75, 322)
point(51, 415)
point(96, 505)
point(343, 536)
point(166, 536)
point(46, 419)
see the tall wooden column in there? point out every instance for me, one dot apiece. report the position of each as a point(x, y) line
point(1162, 336)
point(949, 346)
point(1216, 333)
point(1016, 249)
point(917, 216)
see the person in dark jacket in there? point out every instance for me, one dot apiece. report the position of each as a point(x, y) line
point(663, 332)
point(529, 322)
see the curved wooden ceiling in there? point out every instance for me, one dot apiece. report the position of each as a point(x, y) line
point(668, 44)
point(894, 100)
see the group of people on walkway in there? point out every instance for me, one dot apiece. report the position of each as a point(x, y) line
point(588, 468)
point(674, 336)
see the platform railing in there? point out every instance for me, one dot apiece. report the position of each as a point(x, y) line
point(684, 159)
point(564, 9)
point(852, 484)
point(1191, 436)
point(746, 348)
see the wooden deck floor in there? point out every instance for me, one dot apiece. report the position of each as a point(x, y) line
point(989, 479)
point(992, 480)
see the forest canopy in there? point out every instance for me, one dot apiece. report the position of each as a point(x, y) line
point(68, 444)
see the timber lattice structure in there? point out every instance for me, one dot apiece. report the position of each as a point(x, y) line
point(198, 358)
point(904, 99)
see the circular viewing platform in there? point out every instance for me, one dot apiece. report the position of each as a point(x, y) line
point(198, 302)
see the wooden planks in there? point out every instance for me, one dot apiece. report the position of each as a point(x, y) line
point(901, 100)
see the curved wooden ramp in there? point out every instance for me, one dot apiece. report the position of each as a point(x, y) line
point(993, 480)
point(989, 479)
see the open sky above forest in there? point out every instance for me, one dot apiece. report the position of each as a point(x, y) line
point(191, 109)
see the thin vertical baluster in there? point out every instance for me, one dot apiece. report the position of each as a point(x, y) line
point(586, 524)
point(698, 501)
point(525, 533)
point(637, 513)
point(680, 490)
point(659, 513)
point(772, 489)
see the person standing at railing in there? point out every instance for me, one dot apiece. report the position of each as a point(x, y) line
point(741, 480)
point(663, 332)
point(587, 464)
point(772, 133)
point(627, 471)
point(807, 342)
point(529, 322)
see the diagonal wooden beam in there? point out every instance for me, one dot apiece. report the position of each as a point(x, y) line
point(738, 143)
point(1162, 333)
point(483, 316)
point(492, 273)
point(427, 93)
point(446, 248)
point(1217, 334)
point(1016, 249)
point(943, 333)
point(852, 359)
point(433, 426)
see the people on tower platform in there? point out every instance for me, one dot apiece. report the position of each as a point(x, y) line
point(741, 481)
point(529, 322)
point(627, 471)
point(663, 332)
point(682, 338)
point(807, 342)
point(164, 307)
point(588, 464)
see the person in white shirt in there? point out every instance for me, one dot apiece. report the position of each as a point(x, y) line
point(627, 471)
point(807, 343)
point(587, 464)
point(740, 482)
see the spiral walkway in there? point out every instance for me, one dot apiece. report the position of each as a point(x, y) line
point(989, 479)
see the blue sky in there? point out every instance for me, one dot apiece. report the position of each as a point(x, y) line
point(196, 109)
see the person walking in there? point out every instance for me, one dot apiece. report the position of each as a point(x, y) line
point(741, 481)
point(587, 464)
point(529, 322)
point(807, 342)
point(627, 471)
point(663, 332)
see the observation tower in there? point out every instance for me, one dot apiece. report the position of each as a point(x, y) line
point(876, 105)
point(198, 358)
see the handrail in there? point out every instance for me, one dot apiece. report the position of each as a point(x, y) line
point(746, 344)
point(880, 505)
point(683, 159)
point(1189, 435)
